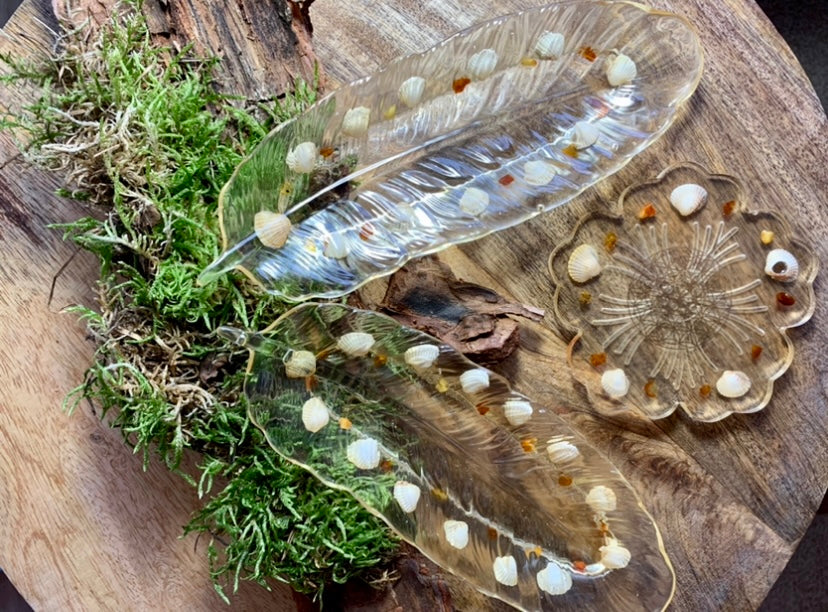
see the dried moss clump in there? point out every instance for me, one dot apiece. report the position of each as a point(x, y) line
point(142, 135)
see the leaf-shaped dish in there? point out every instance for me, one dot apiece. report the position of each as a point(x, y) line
point(490, 486)
point(485, 130)
point(694, 294)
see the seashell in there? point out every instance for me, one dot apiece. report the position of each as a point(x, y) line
point(615, 383)
point(302, 158)
point(554, 580)
point(422, 356)
point(457, 533)
point(781, 265)
point(355, 344)
point(482, 64)
point(474, 201)
point(517, 411)
point(733, 383)
point(562, 451)
point(474, 381)
point(584, 134)
point(301, 364)
point(601, 499)
point(364, 453)
point(505, 570)
point(550, 45)
point(411, 91)
point(315, 414)
point(539, 172)
point(337, 247)
point(614, 556)
point(355, 122)
point(688, 198)
point(584, 264)
point(407, 495)
point(620, 70)
point(272, 229)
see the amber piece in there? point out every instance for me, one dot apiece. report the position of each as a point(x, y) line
point(460, 84)
point(585, 298)
point(571, 150)
point(365, 232)
point(442, 385)
point(386, 466)
point(650, 388)
point(310, 246)
point(506, 179)
point(597, 359)
point(326, 151)
point(529, 62)
point(610, 240)
point(310, 383)
point(588, 53)
point(439, 494)
point(783, 298)
point(323, 354)
point(579, 566)
point(728, 208)
point(704, 390)
point(344, 423)
point(766, 236)
point(564, 480)
point(380, 360)
point(492, 533)
point(529, 444)
point(648, 211)
point(603, 528)
point(755, 352)
point(483, 409)
point(390, 112)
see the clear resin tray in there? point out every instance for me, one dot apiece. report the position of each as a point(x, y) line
point(684, 298)
point(491, 486)
point(489, 128)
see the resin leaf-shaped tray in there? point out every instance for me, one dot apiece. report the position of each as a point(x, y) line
point(684, 298)
point(485, 130)
point(487, 484)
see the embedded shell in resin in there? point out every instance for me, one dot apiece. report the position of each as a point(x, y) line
point(411, 91)
point(615, 383)
point(364, 453)
point(584, 264)
point(355, 344)
point(457, 533)
point(688, 198)
point(474, 201)
point(584, 134)
point(482, 64)
point(315, 414)
point(539, 172)
point(562, 451)
point(781, 265)
point(601, 499)
point(407, 495)
point(517, 411)
point(474, 381)
point(554, 580)
point(733, 383)
point(355, 122)
point(271, 228)
point(302, 158)
point(422, 356)
point(505, 570)
point(300, 364)
point(620, 70)
point(614, 556)
point(550, 45)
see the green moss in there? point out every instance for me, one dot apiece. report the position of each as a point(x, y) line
point(141, 134)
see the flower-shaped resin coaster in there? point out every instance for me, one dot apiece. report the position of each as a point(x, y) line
point(684, 299)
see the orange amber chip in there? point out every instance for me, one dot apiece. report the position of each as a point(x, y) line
point(386, 466)
point(784, 298)
point(326, 151)
point(366, 231)
point(344, 423)
point(571, 150)
point(585, 298)
point(650, 388)
point(439, 494)
point(564, 480)
point(380, 360)
point(597, 359)
point(492, 533)
point(579, 566)
point(704, 390)
point(728, 208)
point(528, 444)
point(529, 62)
point(588, 53)
point(506, 179)
point(648, 211)
point(310, 383)
point(610, 240)
point(460, 84)
point(755, 352)
point(482, 409)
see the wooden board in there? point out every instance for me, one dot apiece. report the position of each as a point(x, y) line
point(84, 528)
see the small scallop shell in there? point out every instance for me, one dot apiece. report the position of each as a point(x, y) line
point(422, 356)
point(315, 414)
point(474, 201)
point(355, 344)
point(474, 381)
point(550, 45)
point(562, 451)
point(601, 499)
point(505, 570)
point(615, 383)
point(584, 264)
point(482, 64)
point(614, 556)
point(271, 228)
point(554, 580)
point(620, 70)
point(364, 453)
point(411, 91)
point(539, 172)
point(302, 159)
point(781, 265)
point(688, 198)
point(733, 383)
point(457, 533)
point(407, 495)
point(301, 364)
point(584, 134)
point(517, 411)
point(337, 247)
point(355, 122)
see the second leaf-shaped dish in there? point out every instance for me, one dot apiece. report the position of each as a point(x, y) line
point(483, 131)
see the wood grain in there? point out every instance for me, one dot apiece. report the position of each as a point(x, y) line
point(84, 528)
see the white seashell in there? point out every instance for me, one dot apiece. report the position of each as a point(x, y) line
point(407, 495)
point(584, 134)
point(364, 453)
point(422, 356)
point(517, 411)
point(584, 264)
point(539, 172)
point(315, 414)
point(302, 159)
point(550, 45)
point(474, 381)
point(781, 265)
point(615, 383)
point(688, 198)
point(301, 364)
point(355, 122)
point(562, 451)
point(482, 64)
point(733, 383)
point(411, 91)
point(505, 570)
point(474, 201)
point(614, 556)
point(337, 247)
point(271, 228)
point(554, 580)
point(601, 499)
point(457, 533)
point(620, 70)
point(355, 344)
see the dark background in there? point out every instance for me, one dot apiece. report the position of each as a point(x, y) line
point(803, 586)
